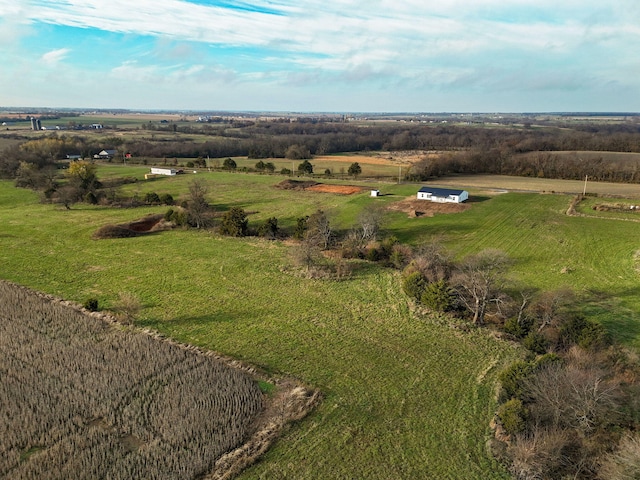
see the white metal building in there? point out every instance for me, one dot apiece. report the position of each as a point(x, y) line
point(442, 195)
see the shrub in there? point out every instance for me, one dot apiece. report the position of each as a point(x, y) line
point(413, 285)
point(387, 246)
point(580, 331)
point(305, 167)
point(513, 415)
point(91, 304)
point(536, 342)
point(166, 199)
point(229, 164)
point(285, 171)
point(593, 336)
point(354, 169)
point(301, 227)
point(437, 296)
point(373, 254)
point(178, 217)
point(269, 228)
point(234, 222)
point(91, 198)
point(547, 359)
point(513, 327)
point(512, 378)
point(151, 197)
point(571, 329)
point(400, 255)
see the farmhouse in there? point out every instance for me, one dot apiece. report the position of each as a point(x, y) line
point(163, 171)
point(442, 195)
point(105, 154)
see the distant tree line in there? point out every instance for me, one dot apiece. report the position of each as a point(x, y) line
point(468, 149)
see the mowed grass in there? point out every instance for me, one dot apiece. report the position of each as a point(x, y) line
point(404, 397)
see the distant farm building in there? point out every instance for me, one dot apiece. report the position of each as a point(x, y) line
point(163, 171)
point(106, 154)
point(375, 193)
point(442, 195)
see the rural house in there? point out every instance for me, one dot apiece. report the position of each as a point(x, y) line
point(105, 154)
point(442, 195)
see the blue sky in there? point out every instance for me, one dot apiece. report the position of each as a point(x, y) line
point(322, 56)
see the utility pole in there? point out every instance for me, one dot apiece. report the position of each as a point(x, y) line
point(584, 190)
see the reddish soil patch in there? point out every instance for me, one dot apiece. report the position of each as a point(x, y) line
point(425, 208)
point(341, 189)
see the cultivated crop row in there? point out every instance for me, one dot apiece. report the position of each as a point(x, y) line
point(80, 398)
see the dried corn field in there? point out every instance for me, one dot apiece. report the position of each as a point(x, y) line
point(81, 398)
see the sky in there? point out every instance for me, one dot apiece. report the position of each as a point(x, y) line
point(322, 55)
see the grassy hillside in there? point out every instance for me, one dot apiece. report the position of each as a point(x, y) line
point(405, 398)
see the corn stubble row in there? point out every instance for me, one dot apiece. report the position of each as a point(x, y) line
point(80, 398)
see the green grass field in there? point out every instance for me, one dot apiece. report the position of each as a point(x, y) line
point(404, 397)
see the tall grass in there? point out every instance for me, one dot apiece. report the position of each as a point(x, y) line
point(81, 399)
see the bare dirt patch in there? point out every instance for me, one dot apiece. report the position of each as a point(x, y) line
point(295, 184)
point(340, 189)
point(148, 224)
point(424, 208)
point(318, 187)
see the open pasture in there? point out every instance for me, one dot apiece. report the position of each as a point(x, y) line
point(405, 397)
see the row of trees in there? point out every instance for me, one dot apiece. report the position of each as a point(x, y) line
point(570, 166)
point(488, 150)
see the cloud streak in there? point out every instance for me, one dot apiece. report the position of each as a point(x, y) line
point(440, 46)
point(55, 56)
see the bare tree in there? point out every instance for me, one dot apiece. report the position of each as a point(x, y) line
point(479, 281)
point(570, 396)
point(197, 206)
point(540, 454)
point(433, 262)
point(319, 230)
point(624, 463)
point(369, 222)
point(548, 306)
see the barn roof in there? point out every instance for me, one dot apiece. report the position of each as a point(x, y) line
point(440, 192)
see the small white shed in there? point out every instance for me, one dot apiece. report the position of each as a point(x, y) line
point(442, 195)
point(375, 193)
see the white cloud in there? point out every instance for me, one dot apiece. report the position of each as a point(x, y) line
point(417, 45)
point(53, 57)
